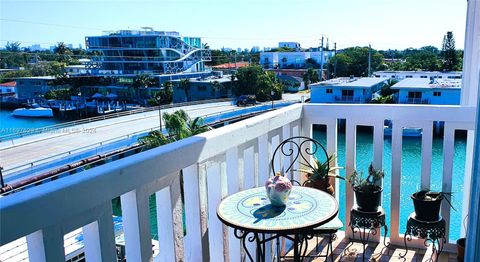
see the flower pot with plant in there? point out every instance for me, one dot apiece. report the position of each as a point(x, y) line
point(318, 174)
point(368, 193)
point(427, 204)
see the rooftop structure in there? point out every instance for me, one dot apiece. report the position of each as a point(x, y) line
point(147, 51)
point(418, 74)
point(293, 45)
point(346, 90)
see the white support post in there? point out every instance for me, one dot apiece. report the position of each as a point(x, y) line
point(287, 160)
point(332, 142)
point(427, 141)
point(263, 158)
point(249, 168)
point(448, 155)
point(193, 238)
point(46, 245)
point(233, 187)
point(397, 133)
point(296, 164)
point(136, 225)
point(166, 236)
point(99, 237)
point(215, 227)
point(350, 146)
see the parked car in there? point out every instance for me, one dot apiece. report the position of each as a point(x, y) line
point(245, 100)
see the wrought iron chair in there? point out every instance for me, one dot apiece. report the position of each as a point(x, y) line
point(301, 148)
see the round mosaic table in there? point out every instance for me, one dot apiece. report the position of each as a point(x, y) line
point(250, 212)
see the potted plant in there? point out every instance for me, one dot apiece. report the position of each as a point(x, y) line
point(427, 204)
point(368, 193)
point(319, 173)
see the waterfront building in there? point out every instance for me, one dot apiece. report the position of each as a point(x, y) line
point(147, 51)
point(33, 87)
point(290, 60)
point(426, 91)
point(346, 90)
point(210, 87)
point(7, 90)
point(418, 74)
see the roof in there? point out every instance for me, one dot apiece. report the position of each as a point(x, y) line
point(231, 65)
point(428, 84)
point(9, 84)
point(417, 72)
point(362, 82)
point(208, 79)
point(38, 78)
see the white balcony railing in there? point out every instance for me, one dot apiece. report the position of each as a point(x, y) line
point(214, 165)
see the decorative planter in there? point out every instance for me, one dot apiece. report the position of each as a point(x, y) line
point(461, 249)
point(278, 189)
point(323, 185)
point(368, 200)
point(426, 210)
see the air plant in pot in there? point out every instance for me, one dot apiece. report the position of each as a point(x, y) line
point(427, 204)
point(367, 190)
point(318, 174)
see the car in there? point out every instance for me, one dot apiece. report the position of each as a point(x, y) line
point(245, 100)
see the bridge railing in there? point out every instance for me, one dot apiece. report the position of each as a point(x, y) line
point(211, 166)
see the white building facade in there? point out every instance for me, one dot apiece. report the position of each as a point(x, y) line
point(346, 90)
point(289, 60)
point(418, 74)
point(426, 91)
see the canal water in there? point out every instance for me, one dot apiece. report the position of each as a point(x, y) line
point(411, 168)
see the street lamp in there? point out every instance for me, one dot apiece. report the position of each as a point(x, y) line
point(271, 96)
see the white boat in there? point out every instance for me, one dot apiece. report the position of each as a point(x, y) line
point(33, 111)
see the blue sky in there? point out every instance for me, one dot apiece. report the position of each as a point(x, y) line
point(241, 23)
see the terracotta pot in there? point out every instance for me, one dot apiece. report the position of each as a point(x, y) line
point(323, 185)
point(461, 249)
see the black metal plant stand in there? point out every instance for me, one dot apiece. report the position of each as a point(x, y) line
point(433, 232)
point(366, 224)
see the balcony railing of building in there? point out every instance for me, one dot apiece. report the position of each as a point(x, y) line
point(415, 100)
point(212, 165)
point(350, 99)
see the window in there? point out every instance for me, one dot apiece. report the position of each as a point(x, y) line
point(437, 93)
point(414, 94)
point(423, 76)
point(329, 91)
point(408, 76)
point(347, 92)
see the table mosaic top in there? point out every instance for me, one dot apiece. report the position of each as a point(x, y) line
point(251, 210)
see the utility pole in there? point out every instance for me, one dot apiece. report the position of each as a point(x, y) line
point(369, 59)
point(321, 60)
point(335, 65)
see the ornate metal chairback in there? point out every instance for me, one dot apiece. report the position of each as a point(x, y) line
point(300, 148)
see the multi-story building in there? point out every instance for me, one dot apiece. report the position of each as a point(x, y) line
point(33, 87)
point(293, 45)
point(147, 51)
point(418, 74)
point(283, 60)
point(426, 91)
point(346, 90)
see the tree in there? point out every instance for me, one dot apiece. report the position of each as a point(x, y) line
point(164, 96)
point(63, 52)
point(354, 61)
point(449, 54)
point(185, 85)
point(142, 82)
point(310, 76)
point(254, 80)
point(422, 60)
point(12, 46)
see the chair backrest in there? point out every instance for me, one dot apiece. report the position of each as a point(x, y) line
point(301, 148)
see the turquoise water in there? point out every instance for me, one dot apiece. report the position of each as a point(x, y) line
point(10, 124)
point(411, 172)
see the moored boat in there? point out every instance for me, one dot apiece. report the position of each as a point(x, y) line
point(33, 111)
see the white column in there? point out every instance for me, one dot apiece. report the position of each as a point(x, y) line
point(46, 245)
point(193, 239)
point(100, 237)
point(470, 91)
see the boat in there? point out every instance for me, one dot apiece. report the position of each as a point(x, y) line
point(33, 110)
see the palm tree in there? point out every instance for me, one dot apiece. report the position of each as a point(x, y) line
point(142, 81)
point(185, 85)
point(63, 52)
point(197, 126)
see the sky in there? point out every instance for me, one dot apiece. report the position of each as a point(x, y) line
point(385, 24)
